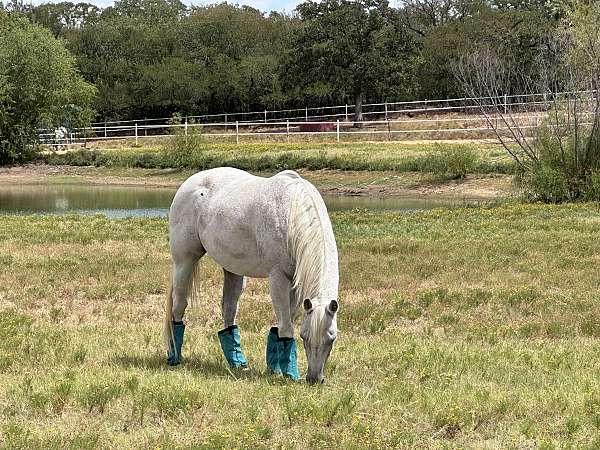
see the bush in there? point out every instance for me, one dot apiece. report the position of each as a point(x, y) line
point(450, 163)
point(76, 158)
point(563, 173)
point(39, 87)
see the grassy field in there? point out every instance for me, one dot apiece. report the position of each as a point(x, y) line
point(195, 154)
point(474, 327)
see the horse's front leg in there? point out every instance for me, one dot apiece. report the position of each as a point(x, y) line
point(229, 337)
point(281, 346)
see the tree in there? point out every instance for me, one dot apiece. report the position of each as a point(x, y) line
point(557, 151)
point(62, 17)
point(344, 50)
point(40, 87)
point(423, 16)
point(154, 58)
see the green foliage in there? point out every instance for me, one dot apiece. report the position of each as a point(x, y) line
point(191, 152)
point(566, 169)
point(39, 87)
point(151, 58)
point(515, 34)
point(173, 59)
point(98, 395)
point(349, 50)
point(450, 163)
point(63, 17)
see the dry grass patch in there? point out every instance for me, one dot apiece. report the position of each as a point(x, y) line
point(474, 327)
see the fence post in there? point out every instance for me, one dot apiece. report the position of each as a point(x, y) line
point(265, 116)
point(136, 134)
point(386, 111)
point(306, 114)
point(346, 112)
point(338, 130)
point(145, 125)
point(225, 117)
point(505, 103)
point(186, 126)
point(105, 129)
point(287, 130)
point(237, 132)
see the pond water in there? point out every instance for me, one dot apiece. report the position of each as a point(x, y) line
point(136, 201)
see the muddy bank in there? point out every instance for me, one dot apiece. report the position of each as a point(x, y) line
point(331, 182)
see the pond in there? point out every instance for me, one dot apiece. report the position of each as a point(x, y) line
point(136, 201)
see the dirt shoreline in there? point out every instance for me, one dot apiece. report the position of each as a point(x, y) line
point(329, 182)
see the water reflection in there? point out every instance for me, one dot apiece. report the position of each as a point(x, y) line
point(136, 201)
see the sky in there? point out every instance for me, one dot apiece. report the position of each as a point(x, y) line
point(263, 5)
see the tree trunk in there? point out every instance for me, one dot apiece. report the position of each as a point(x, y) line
point(358, 114)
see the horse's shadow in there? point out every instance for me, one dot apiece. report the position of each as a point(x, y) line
point(207, 367)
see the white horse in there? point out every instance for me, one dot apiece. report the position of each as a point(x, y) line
point(274, 227)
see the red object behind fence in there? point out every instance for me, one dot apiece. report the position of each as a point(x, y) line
point(316, 127)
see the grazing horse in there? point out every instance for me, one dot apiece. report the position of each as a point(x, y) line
point(276, 228)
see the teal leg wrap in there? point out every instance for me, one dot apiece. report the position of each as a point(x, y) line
point(288, 361)
point(273, 350)
point(232, 348)
point(174, 352)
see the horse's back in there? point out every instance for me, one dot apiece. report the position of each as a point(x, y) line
point(240, 219)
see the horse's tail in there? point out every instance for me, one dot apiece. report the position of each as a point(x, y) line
point(168, 337)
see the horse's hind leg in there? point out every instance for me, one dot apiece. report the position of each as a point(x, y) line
point(182, 279)
point(229, 337)
point(184, 266)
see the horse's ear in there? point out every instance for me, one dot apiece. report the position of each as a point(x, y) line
point(307, 304)
point(333, 306)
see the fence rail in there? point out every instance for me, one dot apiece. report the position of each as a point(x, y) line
point(392, 121)
point(337, 131)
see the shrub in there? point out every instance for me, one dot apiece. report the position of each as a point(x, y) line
point(192, 152)
point(39, 87)
point(450, 163)
point(563, 171)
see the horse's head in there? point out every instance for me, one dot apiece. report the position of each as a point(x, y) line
point(318, 331)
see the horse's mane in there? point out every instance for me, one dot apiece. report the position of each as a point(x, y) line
point(306, 243)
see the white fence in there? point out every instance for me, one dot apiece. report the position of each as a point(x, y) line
point(425, 119)
point(435, 129)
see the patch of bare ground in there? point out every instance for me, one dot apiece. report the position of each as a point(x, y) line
point(330, 182)
point(471, 187)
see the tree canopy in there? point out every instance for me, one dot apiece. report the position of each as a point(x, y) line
point(348, 50)
point(39, 86)
point(154, 58)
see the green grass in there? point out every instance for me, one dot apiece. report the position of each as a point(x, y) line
point(475, 327)
point(451, 160)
